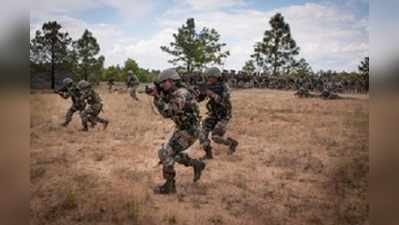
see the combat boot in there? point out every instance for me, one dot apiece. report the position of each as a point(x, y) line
point(92, 124)
point(233, 145)
point(198, 166)
point(208, 153)
point(169, 187)
point(105, 124)
point(84, 128)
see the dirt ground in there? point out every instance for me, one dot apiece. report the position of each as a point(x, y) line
point(300, 161)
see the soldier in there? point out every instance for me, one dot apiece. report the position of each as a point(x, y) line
point(303, 93)
point(132, 84)
point(175, 102)
point(95, 106)
point(110, 84)
point(327, 94)
point(219, 114)
point(69, 89)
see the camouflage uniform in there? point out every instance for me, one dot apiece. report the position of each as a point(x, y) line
point(132, 84)
point(179, 105)
point(303, 93)
point(219, 114)
point(326, 94)
point(110, 84)
point(95, 106)
point(70, 90)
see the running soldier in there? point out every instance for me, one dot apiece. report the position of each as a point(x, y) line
point(95, 106)
point(132, 84)
point(69, 90)
point(110, 83)
point(174, 101)
point(219, 113)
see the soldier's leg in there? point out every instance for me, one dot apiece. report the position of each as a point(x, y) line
point(182, 140)
point(166, 156)
point(94, 115)
point(69, 115)
point(218, 133)
point(85, 119)
point(207, 125)
point(134, 95)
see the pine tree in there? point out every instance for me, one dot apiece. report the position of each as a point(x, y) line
point(87, 49)
point(50, 46)
point(277, 47)
point(194, 50)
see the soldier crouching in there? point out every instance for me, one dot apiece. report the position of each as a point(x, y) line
point(70, 90)
point(175, 102)
point(95, 106)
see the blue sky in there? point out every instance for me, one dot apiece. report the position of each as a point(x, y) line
point(331, 34)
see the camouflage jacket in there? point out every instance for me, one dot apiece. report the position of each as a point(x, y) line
point(181, 107)
point(91, 97)
point(132, 81)
point(73, 93)
point(219, 104)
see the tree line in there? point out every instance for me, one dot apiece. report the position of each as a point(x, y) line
point(191, 51)
point(275, 54)
point(53, 50)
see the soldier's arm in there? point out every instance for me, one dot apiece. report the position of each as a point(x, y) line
point(162, 106)
point(174, 106)
point(220, 94)
point(63, 92)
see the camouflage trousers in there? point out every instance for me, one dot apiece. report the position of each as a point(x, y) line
point(90, 114)
point(132, 92)
point(173, 151)
point(217, 128)
point(69, 114)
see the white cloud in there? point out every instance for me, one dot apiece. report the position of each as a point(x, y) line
point(110, 37)
point(127, 8)
point(329, 38)
point(210, 4)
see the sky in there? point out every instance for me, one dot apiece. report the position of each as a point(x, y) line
point(331, 34)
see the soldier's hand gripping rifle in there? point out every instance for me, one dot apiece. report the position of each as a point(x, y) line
point(207, 90)
point(61, 92)
point(154, 89)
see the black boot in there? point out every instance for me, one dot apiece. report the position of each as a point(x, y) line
point(105, 124)
point(208, 153)
point(168, 187)
point(198, 166)
point(84, 128)
point(233, 145)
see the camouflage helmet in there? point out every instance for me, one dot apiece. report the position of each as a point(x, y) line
point(67, 81)
point(213, 72)
point(169, 74)
point(83, 84)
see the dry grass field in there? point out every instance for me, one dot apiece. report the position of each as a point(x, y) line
point(300, 161)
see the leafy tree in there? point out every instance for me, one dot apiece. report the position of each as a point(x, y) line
point(194, 50)
point(130, 64)
point(86, 50)
point(143, 75)
point(50, 46)
point(364, 71)
point(249, 67)
point(301, 68)
point(113, 72)
point(277, 47)
point(364, 66)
